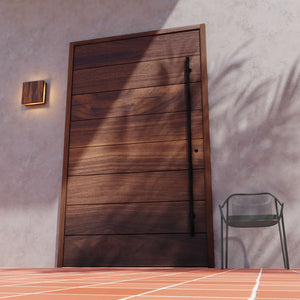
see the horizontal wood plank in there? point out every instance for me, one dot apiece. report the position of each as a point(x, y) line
point(174, 250)
point(134, 218)
point(162, 99)
point(136, 75)
point(134, 187)
point(138, 34)
point(103, 53)
point(134, 129)
point(133, 158)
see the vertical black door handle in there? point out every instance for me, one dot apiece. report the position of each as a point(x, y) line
point(189, 137)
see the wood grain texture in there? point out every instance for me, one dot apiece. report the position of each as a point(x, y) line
point(138, 34)
point(134, 218)
point(136, 49)
point(207, 162)
point(134, 129)
point(129, 181)
point(136, 187)
point(134, 102)
point(133, 158)
point(136, 250)
point(60, 252)
point(136, 75)
point(34, 92)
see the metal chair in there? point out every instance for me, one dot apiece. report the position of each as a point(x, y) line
point(252, 210)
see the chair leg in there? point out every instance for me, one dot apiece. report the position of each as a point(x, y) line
point(222, 252)
point(285, 245)
point(226, 258)
point(281, 243)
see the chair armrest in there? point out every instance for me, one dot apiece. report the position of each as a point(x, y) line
point(221, 212)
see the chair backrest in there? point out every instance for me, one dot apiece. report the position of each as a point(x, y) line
point(251, 210)
point(256, 204)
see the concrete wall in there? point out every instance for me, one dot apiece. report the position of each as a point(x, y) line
point(254, 96)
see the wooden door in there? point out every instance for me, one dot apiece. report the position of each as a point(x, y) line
point(126, 198)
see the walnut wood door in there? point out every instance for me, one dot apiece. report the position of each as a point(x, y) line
point(126, 198)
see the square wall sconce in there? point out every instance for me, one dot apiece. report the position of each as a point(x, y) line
point(34, 92)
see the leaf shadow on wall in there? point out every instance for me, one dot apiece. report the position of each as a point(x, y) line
point(255, 144)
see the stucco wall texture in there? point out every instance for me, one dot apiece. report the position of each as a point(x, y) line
point(254, 91)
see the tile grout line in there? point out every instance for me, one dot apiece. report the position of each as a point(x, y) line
point(173, 285)
point(255, 288)
point(61, 279)
point(167, 297)
point(84, 286)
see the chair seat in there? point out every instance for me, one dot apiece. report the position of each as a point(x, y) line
point(252, 220)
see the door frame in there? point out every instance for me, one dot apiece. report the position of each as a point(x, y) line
point(206, 135)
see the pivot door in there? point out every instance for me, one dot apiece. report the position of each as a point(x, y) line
point(136, 182)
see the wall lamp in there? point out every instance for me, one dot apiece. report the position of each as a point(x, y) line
point(34, 92)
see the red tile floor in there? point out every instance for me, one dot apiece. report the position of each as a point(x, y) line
point(148, 284)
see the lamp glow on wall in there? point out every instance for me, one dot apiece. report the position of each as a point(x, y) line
point(34, 92)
